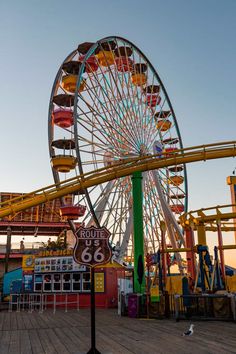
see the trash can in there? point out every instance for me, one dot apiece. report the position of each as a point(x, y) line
point(133, 305)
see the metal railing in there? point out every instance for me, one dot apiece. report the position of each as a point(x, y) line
point(41, 302)
point(204, 306)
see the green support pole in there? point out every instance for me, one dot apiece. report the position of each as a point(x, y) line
point(139, 266)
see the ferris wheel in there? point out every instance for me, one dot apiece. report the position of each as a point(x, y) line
point(109, 104)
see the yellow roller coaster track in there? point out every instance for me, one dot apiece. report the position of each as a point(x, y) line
point(210, 215)
point(122, 168)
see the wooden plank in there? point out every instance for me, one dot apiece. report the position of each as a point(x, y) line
point(47, 345)
point(2, 316)
point(72, 334)
point(105, 342)
point(58, 342)
point(6, 322)
point(14, 344)
point(5, 342)
point(70, 346)
point(35, 342)
point(13, 322)
point(26, 323)
point(25, 345)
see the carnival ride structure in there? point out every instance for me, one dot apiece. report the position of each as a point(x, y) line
point(113, 131)
point(125, 168)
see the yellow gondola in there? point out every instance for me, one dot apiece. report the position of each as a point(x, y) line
point(69, 83)
point(105, 57)
point(63, 163)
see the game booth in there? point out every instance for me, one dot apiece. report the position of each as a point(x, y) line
point(56, 272)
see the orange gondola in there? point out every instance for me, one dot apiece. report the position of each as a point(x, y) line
point(139, 79)
point(176, 180)
point(163, 125)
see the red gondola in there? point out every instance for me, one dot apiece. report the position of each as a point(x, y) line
point(72, 212)
point(177, 208)
point(124, 64)
point(170, 149)
point(153, 100)
point(91, 63)
point(63, 118)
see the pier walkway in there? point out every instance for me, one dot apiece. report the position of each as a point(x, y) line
point(37, 333)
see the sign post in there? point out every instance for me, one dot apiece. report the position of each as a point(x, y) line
point(92, 248)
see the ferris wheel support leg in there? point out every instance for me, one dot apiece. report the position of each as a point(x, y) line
point(139, 278)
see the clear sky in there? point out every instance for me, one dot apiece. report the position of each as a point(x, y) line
point(190, 43)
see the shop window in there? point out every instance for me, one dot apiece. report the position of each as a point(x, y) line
point(85, 281)
point(76, 282)
point(66, 282)
point(47, 282)
point(38, 282)
point(56, 282)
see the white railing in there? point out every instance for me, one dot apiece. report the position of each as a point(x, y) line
point(42, 301)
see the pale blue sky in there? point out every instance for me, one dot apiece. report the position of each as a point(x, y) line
point(190, 43)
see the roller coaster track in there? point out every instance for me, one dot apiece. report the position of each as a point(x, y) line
point(119, 169)
point(209, 216)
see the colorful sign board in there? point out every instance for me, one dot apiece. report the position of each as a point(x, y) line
point(56, 253)
point(92, 246)
point(99, 282)
point(57, 264)
point(28, 261)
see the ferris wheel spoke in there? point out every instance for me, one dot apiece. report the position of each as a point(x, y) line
point(115, 82)
point(126, 237)
point(114, 107)
point(127, 113)
point(151, 210)
point(100, 204)
point(168, 214)
point(110, 127)
point(103, 134)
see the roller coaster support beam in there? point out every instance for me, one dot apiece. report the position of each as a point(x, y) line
point(217, 270)
point(175, 250)
point(228, 247)
point(139, 277)
point(190, 255)
point(201, 234)
point(231, 181)
point(220, 244)
point(8, 248)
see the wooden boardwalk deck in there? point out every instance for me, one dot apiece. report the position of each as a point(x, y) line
point(23, 332)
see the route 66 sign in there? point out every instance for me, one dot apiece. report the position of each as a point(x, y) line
point(92, 246)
